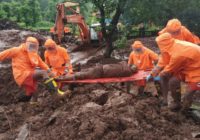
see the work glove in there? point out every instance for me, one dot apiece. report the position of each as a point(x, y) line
point(68, 68)
point(50, 73)
point(157, 78)
point(149, 77)
point(133, 68)
point(156, 70)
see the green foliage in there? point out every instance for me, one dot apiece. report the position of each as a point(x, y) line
point(120, 42)
point(2, 12)
point(159, 12)
point(134, 12)
point(6, 9)
point(50, 13)
point(31, 12)
point(44, 24)
point(27, 11)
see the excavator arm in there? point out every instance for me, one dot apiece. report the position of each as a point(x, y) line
point(74, 18)
point(79, 20)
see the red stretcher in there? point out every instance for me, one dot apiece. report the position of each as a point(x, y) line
point(140, 75)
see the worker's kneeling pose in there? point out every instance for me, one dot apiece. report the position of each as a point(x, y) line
point(25, 60)
point(142, 58)
point(183, 65)
point(57, 58)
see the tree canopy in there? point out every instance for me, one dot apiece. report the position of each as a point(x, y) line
point(32, 12)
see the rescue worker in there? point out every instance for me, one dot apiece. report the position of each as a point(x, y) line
point(184, 60)
point(25, 59)
point(175, 28)
point(57, 58)
point(177, 31)
point(142, 58)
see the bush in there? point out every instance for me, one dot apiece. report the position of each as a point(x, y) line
point(121, 42)
point(44, 24)
point(22, 24)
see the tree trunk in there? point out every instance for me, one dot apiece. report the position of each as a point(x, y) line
point(109, 48)
point(109, 32)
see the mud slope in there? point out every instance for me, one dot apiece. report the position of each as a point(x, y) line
point(93, 112)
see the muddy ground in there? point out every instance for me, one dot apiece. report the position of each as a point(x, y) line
point(93, 111)
point(6, 25)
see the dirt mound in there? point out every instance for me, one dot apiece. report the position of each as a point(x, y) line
point(93, 112)
point(118, 116)
point(9, 89)
point(13, 38)
point(7, 24)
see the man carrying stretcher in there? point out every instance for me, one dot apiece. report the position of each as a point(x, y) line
point(140, 59)
point(143, 58)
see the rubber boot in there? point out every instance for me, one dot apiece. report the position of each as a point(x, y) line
point(164, 82)
point(176, 104)
point(158, 88)
point(24, 98)
point(141, 91)
point(187, 100)
point(34, 99)
point(175, 89)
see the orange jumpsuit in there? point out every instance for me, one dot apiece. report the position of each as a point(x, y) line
point(143, 60)
point(58, 60)
point(184, 58)
point(23, 65)
point(184, 34)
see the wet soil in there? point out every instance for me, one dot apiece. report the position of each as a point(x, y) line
point(6, 24)
point(93, 111)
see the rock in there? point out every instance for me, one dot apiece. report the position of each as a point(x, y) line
point(23, 133)
point(196, 134)
point(52, 118)
point(91, 106)
point(118, 100)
